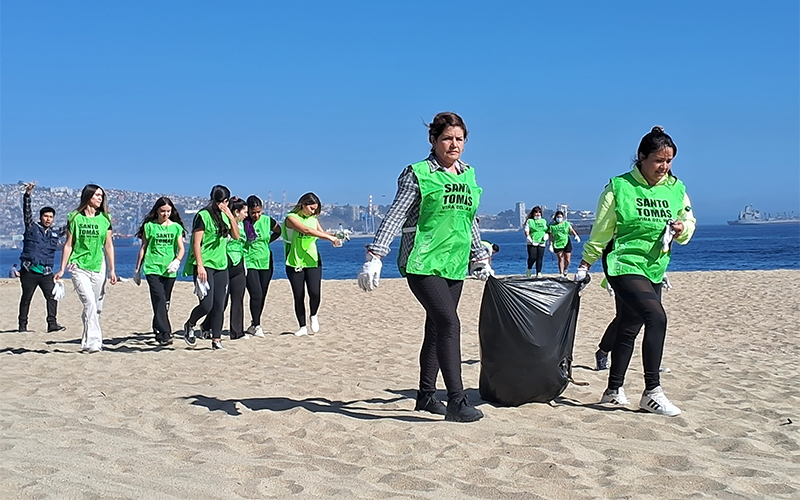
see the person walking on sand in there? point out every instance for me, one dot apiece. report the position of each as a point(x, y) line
point(207, 263)
point(643, 211)
point(301, 229)
point(39, 246)
point(536, 237)
point(560, 230)
point(260, 230)
point(88, 234)
point(159, 259)
point(436, 202)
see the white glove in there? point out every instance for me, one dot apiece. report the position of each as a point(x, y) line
point(370, 275)
point(481, 269)
point(577, 238)
point(174, 266)
point(201, 288)
point(137, 278)
point(546, 236)
point(666, 237)
point(58, 290)
point(666, 283)
point(529, 240)
point(580, 274)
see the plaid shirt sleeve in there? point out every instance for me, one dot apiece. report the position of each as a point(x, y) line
point(403, 212)
point(477, 251)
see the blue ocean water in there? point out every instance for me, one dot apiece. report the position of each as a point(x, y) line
point(713, 248)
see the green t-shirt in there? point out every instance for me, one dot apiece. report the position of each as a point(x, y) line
point(88, 237)
point(560, 232)
point(162, 247)
point(537, 229)
point(212, 246)
point(448, 204)
point(257, 252)
point(235, 248)
point(300, 249)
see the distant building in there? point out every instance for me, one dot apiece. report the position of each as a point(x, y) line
point(522, 214)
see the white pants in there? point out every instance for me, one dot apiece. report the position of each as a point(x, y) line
point(90, 287)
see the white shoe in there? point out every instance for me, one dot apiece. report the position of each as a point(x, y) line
point(258, 332)
point(617, 397)
point(314, 324)
point(302, 332)
point(656, 401)
point(665, 369)
point(538, 275)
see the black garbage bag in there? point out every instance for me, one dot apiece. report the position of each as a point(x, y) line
point(527, 330)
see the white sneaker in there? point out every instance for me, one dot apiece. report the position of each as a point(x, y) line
point(538, 275)
point(314, 324)
point(258, 332)
point(302, 332)
point(656, 401)
point(665, 369)
point(617, 397)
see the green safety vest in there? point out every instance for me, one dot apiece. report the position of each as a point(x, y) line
point(642, 213)
point(560, 232)
point(162, 248)
point(448, 203)
point(537, 229)
point(212, 247)
point(235, 248)
point(300, 249)
point(257, 252)
point(88, 238)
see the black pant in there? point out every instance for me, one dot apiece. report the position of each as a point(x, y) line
point(311, 277)
point(609, 337)
point(30, 281)
point(257, 285)
point(213, 304)
point(441, 347)
point(235, 296)
point(638, 302)
point(535, 256)
point(160, 295)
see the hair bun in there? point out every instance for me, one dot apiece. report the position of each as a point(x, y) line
point(658, 129)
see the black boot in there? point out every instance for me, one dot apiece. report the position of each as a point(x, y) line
point(426, 401)
point(462, 411)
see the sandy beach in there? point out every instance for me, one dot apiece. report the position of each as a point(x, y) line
point(331, 415)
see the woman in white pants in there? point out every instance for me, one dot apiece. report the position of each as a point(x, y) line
point(88, 234)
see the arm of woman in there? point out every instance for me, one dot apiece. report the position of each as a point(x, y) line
point(477, 250)
point(603, 230)
point(234, 223)
point(140, 256)
point(65, 254)
point(181, 247)
point(197, 239)
point(686, 223)
point(294, 222)
point(406, 197)
point(109, 246)
point(276, 230)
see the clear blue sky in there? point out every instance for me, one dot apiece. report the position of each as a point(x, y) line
point(330, 97)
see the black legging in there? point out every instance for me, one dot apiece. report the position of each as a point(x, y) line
point(257, 285)
point(441, 347)
point(638, 302)
point(535, 256)
point(235, 296)
point(213, 304)
point(160, 295)
point(311, 277)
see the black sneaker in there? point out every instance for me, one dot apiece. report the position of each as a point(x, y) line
point(188, 335)
point(462, 411)
point(55, 328)
point(23, 329)
point(428, 402)
point(601, 360)
point(216, 345)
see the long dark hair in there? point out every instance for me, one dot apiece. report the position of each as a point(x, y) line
point(305, 200)
point(86, 195)
point(440, 122)
point(555, 215)
point(218, 194)
point(152, 215)
point(537, 208)
point(253, 201)
point(655, 141)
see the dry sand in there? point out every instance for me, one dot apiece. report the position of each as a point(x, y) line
point(330, 416)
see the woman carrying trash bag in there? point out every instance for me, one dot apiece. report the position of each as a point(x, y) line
point(642, 210)
point(435, 204)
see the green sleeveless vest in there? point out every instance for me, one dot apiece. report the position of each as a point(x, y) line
point(444, 231)
point(642, 213)
point(560, 232)
point(235, 248)
point(300, 249)
point(537, 228)
point(257, 252)
point(162, 248)
point(212, 246)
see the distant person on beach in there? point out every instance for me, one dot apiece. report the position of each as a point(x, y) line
point(493, 248)
point(207, 263)
point(260, 230)
point(13, 272)
point(642, 210)
point(39, 246)
point(301, 229)
point(560, 230)
point(159, 259)
point(88, 234)
point(237, 279)
point(435, 205)
point(536, 237)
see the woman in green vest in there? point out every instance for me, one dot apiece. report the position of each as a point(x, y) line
point(301, 229)
point(207, 263)
point(260, 231)
point(88, 235)
point(536, 237)
point(560, 230)
point(642, 211)
point(161, 253)
point(435, 205)
point(237, 277)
